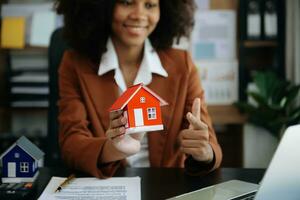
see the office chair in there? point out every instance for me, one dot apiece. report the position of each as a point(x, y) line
point(55, 52)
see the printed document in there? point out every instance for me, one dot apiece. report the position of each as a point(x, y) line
point(122, 188)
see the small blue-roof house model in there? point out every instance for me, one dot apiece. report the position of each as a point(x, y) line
point(21, 161)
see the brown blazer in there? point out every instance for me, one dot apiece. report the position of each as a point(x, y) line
point(86, 97)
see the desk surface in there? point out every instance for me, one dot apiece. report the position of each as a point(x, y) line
point(162, 183)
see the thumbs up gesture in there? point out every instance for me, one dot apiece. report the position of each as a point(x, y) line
point(195, 140)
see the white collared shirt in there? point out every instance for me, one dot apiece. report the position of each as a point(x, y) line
point(150, 64)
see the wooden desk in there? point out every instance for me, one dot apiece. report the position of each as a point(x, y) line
point(162, 183)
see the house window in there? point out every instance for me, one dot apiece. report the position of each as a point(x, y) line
point(17, 155)
point(24, 167)
point(151, 113)
point(142, 99)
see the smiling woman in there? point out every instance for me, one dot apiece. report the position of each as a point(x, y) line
point(134, 21)
point(88, 23)
point(116, 44)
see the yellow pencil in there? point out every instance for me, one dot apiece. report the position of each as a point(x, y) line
point(72, 176)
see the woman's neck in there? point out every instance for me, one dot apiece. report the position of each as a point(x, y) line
point(130, 59)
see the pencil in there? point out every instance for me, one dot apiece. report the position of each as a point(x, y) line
point(59, 188)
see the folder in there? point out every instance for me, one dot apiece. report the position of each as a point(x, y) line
point(43, 24)
point(13, 32)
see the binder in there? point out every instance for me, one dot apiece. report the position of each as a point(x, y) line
point(13, 32)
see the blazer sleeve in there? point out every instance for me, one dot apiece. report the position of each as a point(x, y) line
point(80, 149)
point(195, 90)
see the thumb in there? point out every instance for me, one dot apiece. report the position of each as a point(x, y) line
point(196, 108)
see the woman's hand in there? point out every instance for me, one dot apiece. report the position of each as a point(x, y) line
point(127, 144)
point(195, 140)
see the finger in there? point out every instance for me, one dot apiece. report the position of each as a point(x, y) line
point(204, 153)
point(138, 136)
point(121, 121)
point(190, 151)
point(194, 135)
point(192, 144)
point(195, 123)
point(113, 133)
point(115, 114)
point(118, 137)
point(196, 108)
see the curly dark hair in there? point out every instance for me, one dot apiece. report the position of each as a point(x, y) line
point(88, 24)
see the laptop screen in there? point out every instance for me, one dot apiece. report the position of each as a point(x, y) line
point(282, 178)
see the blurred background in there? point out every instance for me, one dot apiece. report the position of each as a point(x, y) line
point(247, 53)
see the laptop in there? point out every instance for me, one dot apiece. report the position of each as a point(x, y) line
point(280, 182)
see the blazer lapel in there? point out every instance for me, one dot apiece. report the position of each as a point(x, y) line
point(102, 91)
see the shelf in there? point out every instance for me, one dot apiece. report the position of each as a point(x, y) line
point(259, 43)
point(222, 115)
point(27, 48)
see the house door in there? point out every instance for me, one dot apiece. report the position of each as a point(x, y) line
point(138, 117)
point(11, 169)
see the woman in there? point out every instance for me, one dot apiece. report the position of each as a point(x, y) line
point(116, 44)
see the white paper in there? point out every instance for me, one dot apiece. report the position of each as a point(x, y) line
point(93, 188)
point(220, 81)
point(42, 90)
point(214, 35)
point(31, 77)
point(29, 60)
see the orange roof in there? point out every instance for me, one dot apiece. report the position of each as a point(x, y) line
point(123, 100)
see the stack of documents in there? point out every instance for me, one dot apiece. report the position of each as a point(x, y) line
point(29, 79)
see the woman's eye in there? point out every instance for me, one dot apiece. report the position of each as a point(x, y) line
point(150, 5)
point(125, 2)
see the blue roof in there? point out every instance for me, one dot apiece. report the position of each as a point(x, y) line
point(28, 147)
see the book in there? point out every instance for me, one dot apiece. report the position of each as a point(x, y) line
point(43, 24)
point(29, 60)
point(30, 77)
point(30, 104)
point(42, 90)
point(13, 32)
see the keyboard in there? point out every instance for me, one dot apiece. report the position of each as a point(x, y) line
point(248, 196)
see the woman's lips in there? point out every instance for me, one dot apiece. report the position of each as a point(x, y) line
point(135, 29)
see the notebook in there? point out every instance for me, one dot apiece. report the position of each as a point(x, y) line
point(281, 180)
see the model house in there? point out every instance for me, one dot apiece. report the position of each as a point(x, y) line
point(21, 161)
point(141, 106)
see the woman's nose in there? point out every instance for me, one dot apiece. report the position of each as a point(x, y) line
point(138, 12)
